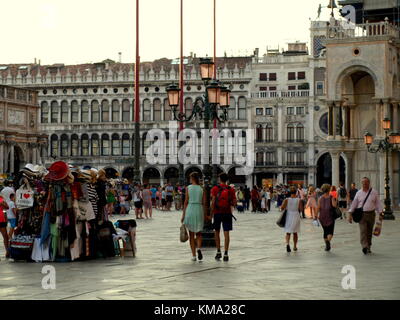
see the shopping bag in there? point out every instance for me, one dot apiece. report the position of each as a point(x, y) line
point(183, 234)
point(24, 197)
point(378, 228)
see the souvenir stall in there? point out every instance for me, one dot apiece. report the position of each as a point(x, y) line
point(62, 216)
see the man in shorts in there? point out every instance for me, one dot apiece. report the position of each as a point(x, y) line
point(168, 193)
point(223, 198)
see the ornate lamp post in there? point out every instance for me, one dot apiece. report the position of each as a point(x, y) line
point(216, 99)
point(389, 143)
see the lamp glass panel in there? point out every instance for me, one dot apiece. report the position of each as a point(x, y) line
point(386, 124)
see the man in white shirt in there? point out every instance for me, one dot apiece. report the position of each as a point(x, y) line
point(367, 222)
point(7, 190)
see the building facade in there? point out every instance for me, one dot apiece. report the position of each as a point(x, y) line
point(20, 138)
point(88, 110)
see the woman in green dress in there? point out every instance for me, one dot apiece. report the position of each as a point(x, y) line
point(193, 214)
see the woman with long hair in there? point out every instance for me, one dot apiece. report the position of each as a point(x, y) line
point(193, 214)
point(324, 211)
point(293, 205)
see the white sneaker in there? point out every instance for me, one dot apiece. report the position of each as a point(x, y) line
point(194, 259)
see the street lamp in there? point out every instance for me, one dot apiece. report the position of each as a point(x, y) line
point(390, 142)
point(216, 98)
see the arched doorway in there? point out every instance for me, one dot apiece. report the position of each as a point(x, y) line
point(111, 173)
point(237, 180)
point(152, 176)
point(171, 175)
point(190, 170)
point(324, 170)
point(128, 173)
point(19, 160)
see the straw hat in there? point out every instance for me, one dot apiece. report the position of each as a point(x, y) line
point(126, 181)
point(85, 175)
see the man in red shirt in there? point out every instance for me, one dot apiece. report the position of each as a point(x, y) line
point(223, 198)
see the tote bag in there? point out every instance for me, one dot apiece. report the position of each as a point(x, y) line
point(24, 197)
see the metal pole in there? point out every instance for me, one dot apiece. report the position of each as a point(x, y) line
point(181, 100)
point(214, 167)
point(137, 102)
point(388, 209)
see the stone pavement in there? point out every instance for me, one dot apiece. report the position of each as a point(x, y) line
point(259, 267)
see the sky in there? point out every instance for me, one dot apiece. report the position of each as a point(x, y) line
point(88, 31)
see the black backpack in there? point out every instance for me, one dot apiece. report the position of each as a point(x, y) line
point(343, 193)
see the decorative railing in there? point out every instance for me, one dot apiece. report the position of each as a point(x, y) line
point(343, 30)
point(280, 94)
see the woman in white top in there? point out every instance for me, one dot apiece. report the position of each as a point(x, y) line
point(293, 205)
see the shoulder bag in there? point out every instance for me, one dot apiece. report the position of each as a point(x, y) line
point(359, 212)
point(335, 211)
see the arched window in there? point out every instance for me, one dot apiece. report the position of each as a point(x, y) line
point(44, 112)
point(105, 145)
point(269, 133)
point(64, 112)
point(167, 111)
point(116, 145)
point(85, 111)
point(64, 146)
point(126, 111)
point(74, 111)
point(300, 133)
point(105, 111)
point(188, 106)
point(126, 145)
point(259, 158)
point(157, 109)
point(259, 133)
point(115, 111)
point(290, 133)
point(85, 145)
point(95, 111)
point(232, 110)
point(145, 144)
point(242, 108)
point(95, 145)
point(74, 145)
point(146, 110)
point(54, 146)
point(55, 110)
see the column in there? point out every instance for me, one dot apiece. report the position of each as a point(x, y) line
point(249, 181)
point(379, 118)
point(331, 120)
point(280, 178)
point(34, 154)
point(349, 169)
point(11, 169)
point(2, 157)
point(335, 168)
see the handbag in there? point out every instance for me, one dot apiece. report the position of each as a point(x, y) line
point(359, 212)
point(183, 234)
point(282, 219)
point(86, 212)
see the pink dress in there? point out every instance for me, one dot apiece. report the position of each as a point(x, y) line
point(312, 200)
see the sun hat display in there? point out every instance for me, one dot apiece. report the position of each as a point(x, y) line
point(59, 170)
point(85, 175)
